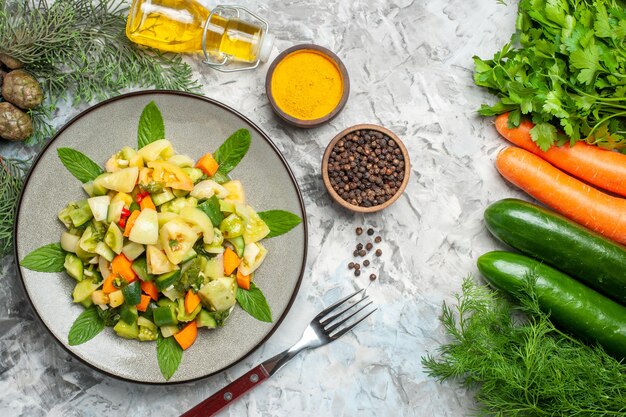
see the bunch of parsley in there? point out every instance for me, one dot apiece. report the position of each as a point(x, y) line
point(565, 67)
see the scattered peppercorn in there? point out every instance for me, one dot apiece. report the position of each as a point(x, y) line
point(359, 246)
point(379, 252)
point(366, 168)
point(355, 253)
point(359, 231)
point(357, 272)
point(351, 265)
point(369, 246)
point(373, 277)
point(370, 232)
point(357, 266)
point(366, 262)
point(362, 252)
point(378, 239)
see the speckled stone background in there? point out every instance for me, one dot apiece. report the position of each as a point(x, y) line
point(411, 71)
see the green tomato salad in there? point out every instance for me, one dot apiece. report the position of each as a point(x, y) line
point(163, 244)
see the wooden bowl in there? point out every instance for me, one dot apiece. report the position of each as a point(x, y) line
point(313, 122)
point(337, 197)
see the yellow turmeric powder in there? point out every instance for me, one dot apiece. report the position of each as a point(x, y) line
point(307, 85)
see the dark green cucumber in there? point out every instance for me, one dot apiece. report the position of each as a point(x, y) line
point(567, 246)
point(571, 305)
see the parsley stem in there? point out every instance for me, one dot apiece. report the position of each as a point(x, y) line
point(607, 118)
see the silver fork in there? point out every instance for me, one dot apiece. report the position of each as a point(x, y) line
point(323, 329)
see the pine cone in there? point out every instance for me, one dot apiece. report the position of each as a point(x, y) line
point(10, 62)
point(22, 89)
point(14, 123)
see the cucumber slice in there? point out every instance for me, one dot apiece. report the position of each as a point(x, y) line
point(165, 280)
point(227, 206)
point(164, 316)
point(105, 251)
point(194, 174)
point(190, 255)
point(132, 293)
point(127, 331)
point(87, 302)
point(218, 294)
point(140, 266)
point(180, 193)
point(172, 294)
point(163, 197)
point(128, 313)
point(99, 207)
point(205, 319)
point(238, 244)
point(168, 331)
point(114, 212)
point(215, 267)
point(114, 239)
point(81, 213)
point(74, 266)
point(144, 322)
point(133, 250)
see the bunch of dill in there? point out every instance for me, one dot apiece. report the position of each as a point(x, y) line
point(521, 364)
point(11, 178)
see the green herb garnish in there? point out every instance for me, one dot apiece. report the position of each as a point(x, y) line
point(169, 355)
point(253, 301)
point(48, 258)
point(79, 165)
point(86, 326)
point(279, 221)
point(523, 366)
point(151, 126)
point(232, 151)
point(568, 72)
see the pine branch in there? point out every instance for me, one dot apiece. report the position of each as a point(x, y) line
point(11, 178)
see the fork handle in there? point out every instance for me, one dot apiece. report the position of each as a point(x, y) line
point(230, 393)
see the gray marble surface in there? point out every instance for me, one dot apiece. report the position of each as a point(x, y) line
point(411, 71)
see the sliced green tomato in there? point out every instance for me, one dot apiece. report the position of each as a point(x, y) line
point(123, 180)
point(156, 150)
point(168, 331)
point(140, 266)
point(163, 197)
point(114, 212)
point(214, 267)
point(205, 319)
point(216, 245)
point(227, 206)
point(165, 216)
point(181, 160)
point(89, 240)
point(125, 330)
point(105, 251)
point(232, 226)
point(182, 313)
point(253, 257)
point(144, 322)
point(86, 303)
point(74, 266)
point(164, 281)
point(146, 228)
point(120, 159)
point(164, 316)
point(133, 250)
point(177, 238)
point(84, 289)
point(172, 294)
point(132, 293)
point(99, 207)
point(128, 313)
point(81, 213)
point(170, 175)
point(114, 238)
point(69, 242)
point(176, 205)
point(207, 189)
point(157, 261)
point(179, 193)
point(104, 267)
point(254, 228)
point(198, 218)
point(235, 191)
point(64, 216)
point(147, 330)
point(218, 294)
point(194, 173)
point(94, 189)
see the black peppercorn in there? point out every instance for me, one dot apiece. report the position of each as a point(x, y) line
point(378, 239)
point(359, 231)
point(351, 265)
point(370, 232)
point(357, 272)
point(369, 246)
point(359, 246)
point(366, 263)
point(372, 277)
point(379, 252)
point(362, 252)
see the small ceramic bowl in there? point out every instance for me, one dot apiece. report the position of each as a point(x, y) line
point(308, 123)
point(337, 197)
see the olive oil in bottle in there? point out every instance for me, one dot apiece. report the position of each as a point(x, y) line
point(179, 26)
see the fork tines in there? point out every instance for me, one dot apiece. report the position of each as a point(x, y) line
point(330, 323)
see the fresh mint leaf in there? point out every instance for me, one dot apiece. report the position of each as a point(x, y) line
point(169, 355)
point(79, 165)
point(86, 326)
point(151, 126)
point(279, 221)
point(253, 301)
point(211, 208)
point(544, 135)
point(230, 153)
point(48, 258)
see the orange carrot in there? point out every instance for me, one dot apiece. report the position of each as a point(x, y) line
point(580, 202)
point(243, 280)
point(208, 164)
point(187, 335)
point(122, 267)
point(600, 167)
point(130, 222)
point(107, 286)
point(146, 202)
point(143, 305)
point(192, 300)
point(231, 261)
point(149, 288)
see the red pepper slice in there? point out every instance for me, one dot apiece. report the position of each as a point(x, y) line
point(123, 223)
point(125, 212)
point(141, 196)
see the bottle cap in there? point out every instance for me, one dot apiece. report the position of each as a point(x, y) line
point(266, 47)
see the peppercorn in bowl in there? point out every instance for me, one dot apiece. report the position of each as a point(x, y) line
point(365, 168)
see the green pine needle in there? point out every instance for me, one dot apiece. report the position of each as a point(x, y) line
point(521, 364)
point(11, 178)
